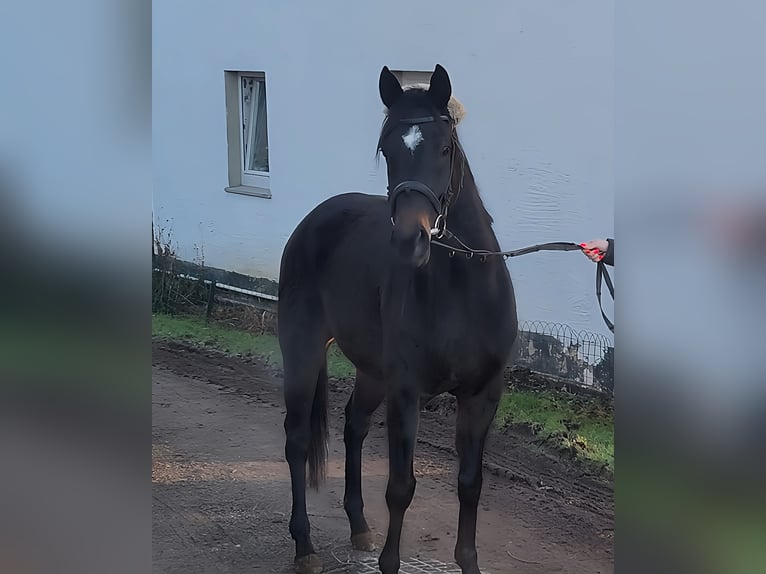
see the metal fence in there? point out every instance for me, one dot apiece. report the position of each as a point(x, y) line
point(579, 357)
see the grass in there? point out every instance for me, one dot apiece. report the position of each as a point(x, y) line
point(266, 347)
point(590, 432)
point(579, 424)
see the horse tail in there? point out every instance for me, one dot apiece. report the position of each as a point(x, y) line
point(318, 440)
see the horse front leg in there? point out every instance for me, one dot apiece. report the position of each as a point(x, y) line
point(475, 414)
point(402, 419)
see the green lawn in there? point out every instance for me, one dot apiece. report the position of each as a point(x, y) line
point(562, 420)
point(591, 427)
point(194, 330)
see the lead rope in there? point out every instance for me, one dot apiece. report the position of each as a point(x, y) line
point(601, 272)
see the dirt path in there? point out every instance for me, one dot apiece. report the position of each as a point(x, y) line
point(221, 496)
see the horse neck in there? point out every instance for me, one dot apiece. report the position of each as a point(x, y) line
point(468, 218)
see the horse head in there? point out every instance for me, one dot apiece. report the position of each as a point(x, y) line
point(420, 145)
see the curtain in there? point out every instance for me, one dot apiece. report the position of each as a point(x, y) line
point(255, 132)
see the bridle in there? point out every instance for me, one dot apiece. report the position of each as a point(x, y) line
point(441, 204)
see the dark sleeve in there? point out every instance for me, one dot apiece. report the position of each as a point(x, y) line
point(609, 257)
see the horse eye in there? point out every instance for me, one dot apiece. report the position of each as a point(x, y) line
point(445, 150)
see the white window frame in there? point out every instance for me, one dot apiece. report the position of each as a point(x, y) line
point(241, 181)
point(412, 77)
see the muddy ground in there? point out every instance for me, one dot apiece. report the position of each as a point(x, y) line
point(221, 494)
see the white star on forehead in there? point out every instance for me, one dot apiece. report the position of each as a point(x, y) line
point(412, 138)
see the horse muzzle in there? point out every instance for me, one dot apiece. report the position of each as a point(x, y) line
point(412, 241)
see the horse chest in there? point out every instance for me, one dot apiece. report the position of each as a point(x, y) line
point(465, 337)
point(467, 342)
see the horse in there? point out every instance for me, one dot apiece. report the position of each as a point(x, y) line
point(415, 321)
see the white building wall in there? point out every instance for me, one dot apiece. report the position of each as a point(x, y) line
point(536, 79)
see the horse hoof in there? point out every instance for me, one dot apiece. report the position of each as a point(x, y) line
point(309, 564)
point(363, 541)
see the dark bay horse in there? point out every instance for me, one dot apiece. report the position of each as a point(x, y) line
point(416, 322)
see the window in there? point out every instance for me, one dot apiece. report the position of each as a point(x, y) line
point(247, 133)
point(408, 78)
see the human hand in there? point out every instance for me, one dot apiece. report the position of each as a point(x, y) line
point(595, 249)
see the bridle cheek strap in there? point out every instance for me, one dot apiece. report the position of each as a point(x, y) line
point(441, 206)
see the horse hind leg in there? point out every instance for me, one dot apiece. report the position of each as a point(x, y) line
point(367, 396)
point(305, 392)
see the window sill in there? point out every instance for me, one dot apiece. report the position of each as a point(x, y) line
point(248, 190)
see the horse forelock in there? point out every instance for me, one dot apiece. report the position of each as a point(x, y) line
point(455, 108)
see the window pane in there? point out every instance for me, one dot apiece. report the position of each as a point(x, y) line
point(254, 126)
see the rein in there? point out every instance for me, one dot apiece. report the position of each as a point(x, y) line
point(602, 275)
point(441, 206)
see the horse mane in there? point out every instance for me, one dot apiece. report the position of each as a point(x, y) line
point(468, 181)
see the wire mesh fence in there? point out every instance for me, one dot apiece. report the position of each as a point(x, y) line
point(580, 357)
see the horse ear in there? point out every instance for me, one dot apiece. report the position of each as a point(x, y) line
point(441, 88)
point(390, 88)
